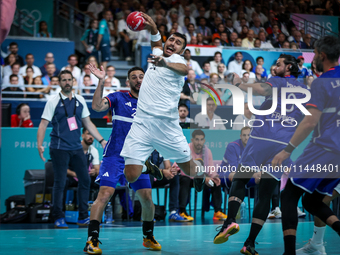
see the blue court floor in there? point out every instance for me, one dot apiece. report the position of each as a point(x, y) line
point(124, 238)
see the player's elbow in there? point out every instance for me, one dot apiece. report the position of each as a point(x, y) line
point(96, 107)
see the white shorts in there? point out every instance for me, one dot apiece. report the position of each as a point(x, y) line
point(164, 135)
point(337, 188)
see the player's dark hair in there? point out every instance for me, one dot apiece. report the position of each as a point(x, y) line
point(13, 44)
point(291, 60)
point(197, 132)
point(187, 50)
point(64, 72)
point(29, 54)
point(72, 55)
point(210, 99)
point(54, 76)
point(135, 68)
point(15, 64)
point(330, 45)
point(18, 109)
point(87, 76)
point(245, 128)
point(181, 36)
point(206, 62)
point(239, 52)
point(13, 76)
point(217, 52)
point(84, 130)
point(183, 105)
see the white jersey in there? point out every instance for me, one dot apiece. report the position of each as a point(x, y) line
point(160, 90)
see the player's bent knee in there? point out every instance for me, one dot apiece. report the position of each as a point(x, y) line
point(105, 194)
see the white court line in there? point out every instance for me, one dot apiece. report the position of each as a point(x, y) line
point(265, 243)
point(236, 242)
point(18, 237)
point(129, 239)
point(208, 241)
point(74, 238)
point(46, 237)
point(178, 240)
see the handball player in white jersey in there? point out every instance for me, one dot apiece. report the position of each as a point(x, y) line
point(156, 124)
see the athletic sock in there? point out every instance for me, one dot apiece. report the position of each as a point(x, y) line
point(254, 231)
point(336, 227)
point(144, 168)
point(290, 245)
point(148, 229)
point(318, 235)
point(93, 229)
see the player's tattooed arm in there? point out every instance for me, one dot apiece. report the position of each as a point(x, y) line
point(267, 89)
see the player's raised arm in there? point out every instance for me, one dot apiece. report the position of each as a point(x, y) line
point(259, 89)
point(156, 39)
point(99, 104)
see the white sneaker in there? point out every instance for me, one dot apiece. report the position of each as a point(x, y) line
point(301, 214)
point(312, 249)
point(275, 214)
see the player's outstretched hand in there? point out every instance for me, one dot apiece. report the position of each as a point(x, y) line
point(100, 74)
point(279, 158)
point(149, 23)
point(157, 61)
point(237, 79)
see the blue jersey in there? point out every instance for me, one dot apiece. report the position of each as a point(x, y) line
point(303, 72)
point(233, 153)
point(272, 127)
point(325, 97)
point(105, 31)
point(123, 107)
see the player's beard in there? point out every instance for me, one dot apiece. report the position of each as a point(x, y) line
point(318, 65)
point(88, 142)
point(134, 89)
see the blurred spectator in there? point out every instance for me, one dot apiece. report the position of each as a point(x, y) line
point(30, 62)
point(11, 60)
point(90, 38)
point(292, 32)
point(245, 77)
point(309, 81)
point(225, 16)
point(238, 25)
point(220, 29)
point(216, 42)
point(193, 40)
point(272, 72)
point(191, 32)
point(262, 17)
point(201, 14)
point(15, 68)
point(248, 42)
point(192, 64)
point(37, 81)
point(273, 37)
point(257, 26)
point(110, 73)
point(22, 117)
point(235, 66)
point(92, 60)
point(214, 63)
point(229, 27)
point(200, 39)
point(187, 13)
point(86, 92)
point(249, 9)
point(28, 79)
point(244, 32)
point(86, 71)
point(43, 30)
point(303, 70)
point(159, 20)
point(248, 67)
point(13, 48)
point(108, 87)
point(183, 112)
point(239, 14)
point(189, 88)
point(163, 30)
point(46, 80)
point(280, 40)
point(221, 69)
point(212, 7)
point(233, 37)
point(286, 45)
point(204, 31)
point(156, 6)
point(293, 46)
point(260, 61)
point(308, 41)
point(53, 91)
point(72, 65)
point(107, 5)
point(210, 120)
point(258, 74)
point(49, 59)
point(214, 78)
point(206, 71)
point(224, 39)
point(173, 18)
point(264, 43)
point(241, 121)
point(298, 40)
point(95, 8)
point(104, 38)
point(257, 43)
point(13, 80)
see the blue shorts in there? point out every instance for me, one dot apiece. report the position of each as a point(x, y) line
point(112, 172)
point(258, 155)
point(106, 53)
point(316, 170)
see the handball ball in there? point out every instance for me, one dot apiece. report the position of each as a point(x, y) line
point(135, 21)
